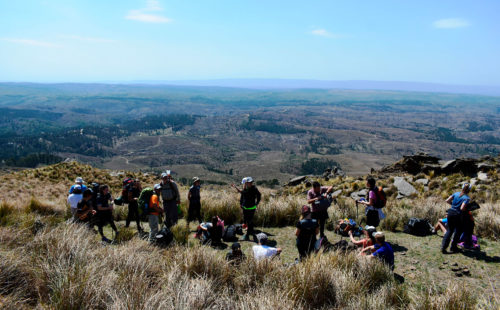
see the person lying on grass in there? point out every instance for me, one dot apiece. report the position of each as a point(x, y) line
point(262, 250)
point(211, 232)
point(369, 239)
point(381, 250)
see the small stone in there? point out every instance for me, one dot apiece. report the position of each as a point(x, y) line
point(454, 264)
point(445, 263)
point(456, 269)
point(466, 271)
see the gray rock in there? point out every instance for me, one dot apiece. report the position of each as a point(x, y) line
point(426, 188)
point(360, 194)
point(473, 181)
point(485, 167)
point(296, 180)
point(399, 196)
point(422, 181)
point(335, 194)
point(482, 176)
point(404, 188)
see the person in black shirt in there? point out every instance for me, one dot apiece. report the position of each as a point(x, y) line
point(235, 256)
point(134, 191)
point(307, 229)
point(212, 233)
point(85, 212)
point(194, 212)
point(105, 211)
point(249, 200)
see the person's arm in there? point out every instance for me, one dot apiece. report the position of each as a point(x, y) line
point(259, 196)
point(360, 242)
point(236, 188)
point(297, 232)
point(449, 200)
point(329, 190)
point(463, 206)
point(310, 199)
point(189, 194)
point(370, 249)
point(178, 195)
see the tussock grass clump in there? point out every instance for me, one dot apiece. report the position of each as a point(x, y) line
point(181, 232)
point(44, 208)
point(6, 212)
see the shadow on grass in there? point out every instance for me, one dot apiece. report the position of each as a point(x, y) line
point(398, 248)
point(399, 278)
point(480, 255)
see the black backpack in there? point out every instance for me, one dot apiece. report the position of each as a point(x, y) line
point(418, 227)
point(95, 190)
point(229, 234)
point(164, 237)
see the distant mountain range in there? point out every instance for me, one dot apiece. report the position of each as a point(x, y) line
point(323, 84)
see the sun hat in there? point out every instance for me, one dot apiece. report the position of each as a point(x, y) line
point(79, 180)
point(249, 180)
point(196, 179)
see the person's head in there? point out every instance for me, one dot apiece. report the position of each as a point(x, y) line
point(137, 183)
point(369, 231)
point(79, 180)
point(249, 182)
point(196, 181)
point(166, 176)
point(379, 237)
point(316, 186)
point(236, 248)
point(87, 194)
point(305, 211)
point(370, 182)
point(465, 188)
point(77, 189)
point(262, 237)
point(157, 188)
point(215, 220)
point(104, 189)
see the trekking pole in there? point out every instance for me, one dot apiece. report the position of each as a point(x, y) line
point(357, 214)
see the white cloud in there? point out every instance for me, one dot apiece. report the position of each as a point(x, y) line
point(325, 33)
point(29, 42)
point(143, 15)
point(87, 39)
point(451, 23)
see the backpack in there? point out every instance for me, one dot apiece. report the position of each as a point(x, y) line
point(322, 204)
point(229, 234)
point(418, 227)
point(94, 187)
point(239, 229)
point(381, 198)
point(143, 200)
point(164, 237)
point(344, 226)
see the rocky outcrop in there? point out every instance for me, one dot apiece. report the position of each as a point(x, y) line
point(467, 166)
point(296, 181)
point(405, 189)
point(412, 164)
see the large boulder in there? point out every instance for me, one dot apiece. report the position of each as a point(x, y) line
point(405, 189)
point(360, 194)
point(467, 166)
point(411, 164)
point(296, 181)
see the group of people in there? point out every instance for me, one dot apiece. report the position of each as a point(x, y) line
point(96, 209)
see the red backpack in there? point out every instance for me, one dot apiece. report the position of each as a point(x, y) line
point(381, 198)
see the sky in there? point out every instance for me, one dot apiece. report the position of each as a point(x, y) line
point(446, 41)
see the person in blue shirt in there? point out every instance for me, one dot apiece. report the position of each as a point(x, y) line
point(458, 202)
point(79, 182)
point(381, 250)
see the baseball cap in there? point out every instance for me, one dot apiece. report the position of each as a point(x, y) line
point(465, 186)
point(368, 227)
point(79, 180)
point(196, 179)
point(249, 179)
point(157, 186)
point(243, 181)
point(261, 237)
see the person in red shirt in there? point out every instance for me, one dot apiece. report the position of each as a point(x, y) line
point(369, 239)
point(154, 213)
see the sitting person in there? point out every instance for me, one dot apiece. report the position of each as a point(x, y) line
point(382, 250)
point(85, 211)
point(306, 230)
point(235, 256)
point(211, 233)
point(369, 239)
point(262, 250)
point(441, 225)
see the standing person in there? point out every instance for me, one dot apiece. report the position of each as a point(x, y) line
point(306, 230)
point(105, 211)
point(154, 213)
point(73, 199)
point(171, 198)
point(316, 196)
point(194, 198)
point(78, 182)
point(133, 192)
point(373, 214)
point(249, 200)
point(458, 202)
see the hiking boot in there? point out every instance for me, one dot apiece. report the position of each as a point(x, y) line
point(455, 250)
point(443, 251)
point(104, 239)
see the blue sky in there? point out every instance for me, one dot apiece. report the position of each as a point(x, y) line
point(453, 42)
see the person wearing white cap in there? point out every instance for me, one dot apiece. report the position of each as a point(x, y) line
point(369, 239)
point(171, 198)
point(73, 199)
point(249, 200)
point(78, 181)
point(154, 212)
point(458, 202)
point(262, 250)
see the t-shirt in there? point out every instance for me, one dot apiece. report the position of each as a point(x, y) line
point(104, 202)
point(372, 195)
point(262, 251)
point(459, 200)
point(214, 233)
point(133, 192)
point(385, 253)
point(250, 197)
point(307, 234)
point(84, 205)
point(311, 194)
point(73, 186)
point(73, 200)
point(153, 201)
point(195, 193)
point(367, 243)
